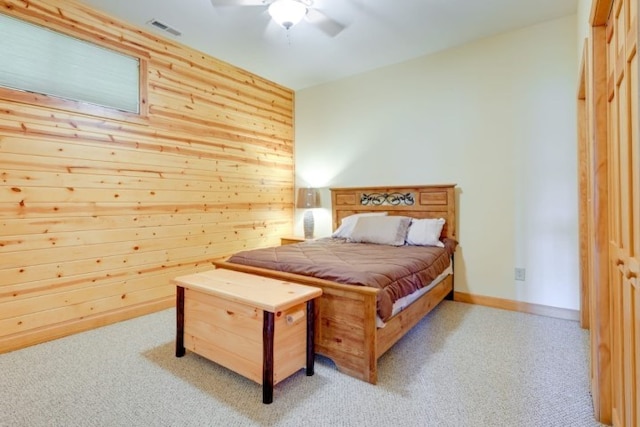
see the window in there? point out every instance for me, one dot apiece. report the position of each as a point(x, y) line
point(38, 60)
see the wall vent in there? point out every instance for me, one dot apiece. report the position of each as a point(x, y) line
point(164, 27)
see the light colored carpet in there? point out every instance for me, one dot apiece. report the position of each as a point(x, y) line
point(462, 365)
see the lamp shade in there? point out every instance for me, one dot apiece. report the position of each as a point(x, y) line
point(308, 198)
point(287, 13)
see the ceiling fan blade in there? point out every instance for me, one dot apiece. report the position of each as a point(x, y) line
point(323, 22)
point(217, 3)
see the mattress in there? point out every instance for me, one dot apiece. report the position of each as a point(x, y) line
point(397, 271)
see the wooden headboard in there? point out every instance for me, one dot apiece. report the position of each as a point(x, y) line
point(422, 201)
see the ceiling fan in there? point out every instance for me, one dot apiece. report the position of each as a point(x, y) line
point(288, 13)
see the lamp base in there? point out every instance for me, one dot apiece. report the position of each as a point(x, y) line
point(308, 224)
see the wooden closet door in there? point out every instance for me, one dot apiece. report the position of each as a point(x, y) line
point(624, 201)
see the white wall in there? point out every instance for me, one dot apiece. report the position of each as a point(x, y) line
point(584, 13)
point(497, 117)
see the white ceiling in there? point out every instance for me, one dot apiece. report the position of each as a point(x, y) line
point(377, 33)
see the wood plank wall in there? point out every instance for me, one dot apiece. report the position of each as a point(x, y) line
point(98, 213)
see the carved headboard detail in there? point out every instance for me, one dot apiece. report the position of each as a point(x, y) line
point(386, 199)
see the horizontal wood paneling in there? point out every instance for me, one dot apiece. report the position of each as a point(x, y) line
point(99, 213)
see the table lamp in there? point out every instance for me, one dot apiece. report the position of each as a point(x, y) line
point(308, 198)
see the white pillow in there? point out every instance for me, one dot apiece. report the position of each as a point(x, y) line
point(425, 232)
point(383, 230)
point(348, 222)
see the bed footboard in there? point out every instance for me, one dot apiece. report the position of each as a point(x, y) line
point(346, 332)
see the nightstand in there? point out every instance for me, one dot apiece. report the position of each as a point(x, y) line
point(288, 240)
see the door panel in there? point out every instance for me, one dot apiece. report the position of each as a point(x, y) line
point(624, 185)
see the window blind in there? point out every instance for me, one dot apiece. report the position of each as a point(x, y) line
point(36, 59)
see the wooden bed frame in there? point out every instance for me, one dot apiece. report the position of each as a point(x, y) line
point(345, 328)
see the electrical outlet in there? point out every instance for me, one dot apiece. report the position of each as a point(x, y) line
point(520, 274)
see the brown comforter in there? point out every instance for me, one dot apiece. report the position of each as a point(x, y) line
point(396, 270)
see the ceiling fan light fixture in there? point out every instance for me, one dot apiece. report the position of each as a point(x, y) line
point(287, 13)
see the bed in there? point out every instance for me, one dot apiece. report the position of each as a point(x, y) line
point(352, 329)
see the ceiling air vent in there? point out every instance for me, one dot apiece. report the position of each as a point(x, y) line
point(164, 27)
